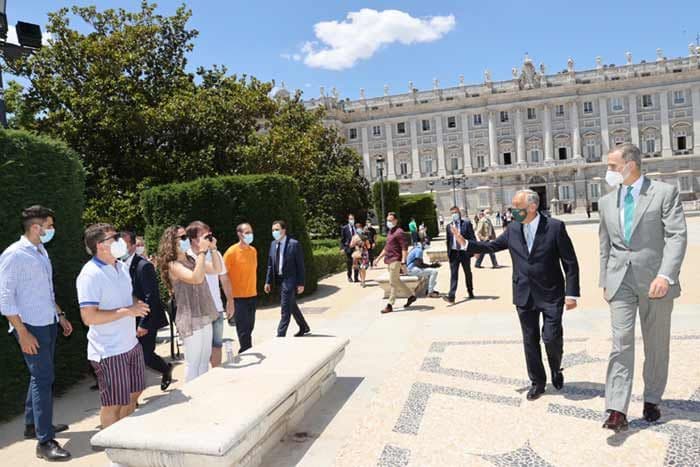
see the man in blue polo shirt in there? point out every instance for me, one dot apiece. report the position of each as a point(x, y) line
point(416, 266)
point(107, 307)
point(27, 301)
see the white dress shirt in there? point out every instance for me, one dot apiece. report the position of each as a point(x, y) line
point(282, 241)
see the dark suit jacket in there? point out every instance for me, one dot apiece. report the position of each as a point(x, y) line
point(292, 266)
point(145, 283)
point(538, 273)
point(467, 231)
point(345, 238)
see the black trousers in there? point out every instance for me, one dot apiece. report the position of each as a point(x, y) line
point(288, 296)
point(457, 259)
point(152, 359)
point(552, 336)
point(348, 262)
point(244, 317)
point(481, 258)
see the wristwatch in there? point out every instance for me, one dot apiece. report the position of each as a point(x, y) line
point(61, 313)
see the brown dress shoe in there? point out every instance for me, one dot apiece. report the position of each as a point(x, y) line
point(651, 412)
point(617, 421)
point(387, 309)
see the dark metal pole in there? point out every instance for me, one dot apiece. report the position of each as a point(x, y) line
point(3, 110)
point(454, 191)
point(382, 221)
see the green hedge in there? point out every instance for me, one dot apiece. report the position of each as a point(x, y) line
point(38, 170)
point(391, 198)
point(330, 260)
point(422, 207)
point(223, 203)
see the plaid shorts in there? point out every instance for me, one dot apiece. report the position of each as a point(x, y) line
point(119, 376)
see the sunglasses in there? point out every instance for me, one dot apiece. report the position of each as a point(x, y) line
point(115, 237)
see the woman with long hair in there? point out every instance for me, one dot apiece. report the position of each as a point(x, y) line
point(185, 278)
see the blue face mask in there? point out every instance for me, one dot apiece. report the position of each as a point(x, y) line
point(276, 234)
point(359, 231)
point(248, 238)
point(185, 245)
point(48, 235)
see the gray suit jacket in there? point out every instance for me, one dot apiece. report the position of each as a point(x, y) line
point(658, 242)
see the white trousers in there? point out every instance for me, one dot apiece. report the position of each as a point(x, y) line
point(197, 352)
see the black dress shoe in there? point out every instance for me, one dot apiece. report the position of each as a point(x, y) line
point(449, 299)
point(410, 301)
point(303, 331)
point(167, 378)
point(617, 421)
point(651, 412)
point(30, 430)
point(471, 296)
point(52, 452)
point(387, 309)
point(535, 392)
point(558, 380)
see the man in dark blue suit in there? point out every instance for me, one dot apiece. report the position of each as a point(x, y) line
point(346, 234)
point(285, 269)
point(539, 247)
point(457, 256)
point(145, 284)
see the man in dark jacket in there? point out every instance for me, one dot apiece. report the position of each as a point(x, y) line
point(539, 247)
point(285, 270)
point(145, 284)
point(457, 256)
point(346, 234)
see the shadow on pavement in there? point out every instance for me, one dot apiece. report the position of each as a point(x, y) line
point(322, 291)
point(77, 442)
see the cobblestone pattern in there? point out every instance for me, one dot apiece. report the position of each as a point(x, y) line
point(413, 410)
point(442, 345)
point(525, 457)
point(579, 358)
point(394, 456)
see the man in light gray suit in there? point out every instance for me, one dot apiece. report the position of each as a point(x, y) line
point(643, 240)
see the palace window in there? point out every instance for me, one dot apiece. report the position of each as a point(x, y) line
point(425, 125)
point(565, 192)
point(650, 144)
point(504, 116)
point(684, 183)
point(477, 119)
point(531, 113)
point(617, 104)
point(403, 167)
point(376, 130)
point(591, 149)
point(507, 158)
point(480, 160)
point(353, 133)
point(559, 110)
point(401, 128)
point(647, 100)
point(454, 163)
point(618, 140)
point(588, 107)
point(451, 122)
point(595, 190)
point(678, 97)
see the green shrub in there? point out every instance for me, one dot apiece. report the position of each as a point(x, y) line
point(318, 243)
point(422, 207)
point(223, 203)
point(39, 170)
point(391, 198)
point(329, 261)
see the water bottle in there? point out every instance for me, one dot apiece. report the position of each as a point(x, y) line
point(228, 346)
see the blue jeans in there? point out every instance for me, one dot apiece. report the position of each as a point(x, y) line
point(217, 328)
point(38, 408)
point(244, 317)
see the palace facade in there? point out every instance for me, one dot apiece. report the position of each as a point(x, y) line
point(476, 144)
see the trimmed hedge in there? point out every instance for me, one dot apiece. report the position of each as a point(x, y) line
point(223, 203)
point(39, 170)
point(330, 260)
point(422, 207)
point(391, 198)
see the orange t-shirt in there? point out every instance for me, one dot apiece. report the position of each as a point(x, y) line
point(242, 266)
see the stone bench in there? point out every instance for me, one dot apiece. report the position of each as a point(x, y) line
point(436, 252)
point(418, 284)
point(231, 415)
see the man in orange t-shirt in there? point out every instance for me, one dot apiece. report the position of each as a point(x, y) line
point(241, 260)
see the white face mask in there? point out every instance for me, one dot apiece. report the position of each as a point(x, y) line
point(389, 225)
point(118, 248)
point(140, 250)
point(613, 178)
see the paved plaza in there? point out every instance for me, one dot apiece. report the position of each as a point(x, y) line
point(443, 384)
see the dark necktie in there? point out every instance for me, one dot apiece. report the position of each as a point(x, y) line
point(277, 259)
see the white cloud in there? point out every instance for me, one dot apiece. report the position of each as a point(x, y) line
point(293, 57)
point(342, 44)
point(12, 36)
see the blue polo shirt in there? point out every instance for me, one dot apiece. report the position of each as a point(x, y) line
point(108, 288)
point(415, 254)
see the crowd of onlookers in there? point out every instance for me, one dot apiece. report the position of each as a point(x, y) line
point(120, 303)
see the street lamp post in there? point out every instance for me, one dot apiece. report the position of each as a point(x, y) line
point(380, 170)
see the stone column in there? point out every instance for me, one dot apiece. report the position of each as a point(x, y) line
point(666, 150)
point(634, 120)
point(547, 124)
point(580, 196)
point(575, 131)
point(440, 146)
point(466, 148)
point(695, 98)
point(365, 154)
point(413, 129)
point(520, 136)
point(604, 133)
point(493, 140)
point(391, 166)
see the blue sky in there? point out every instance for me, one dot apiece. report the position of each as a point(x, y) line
point(443, 38)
